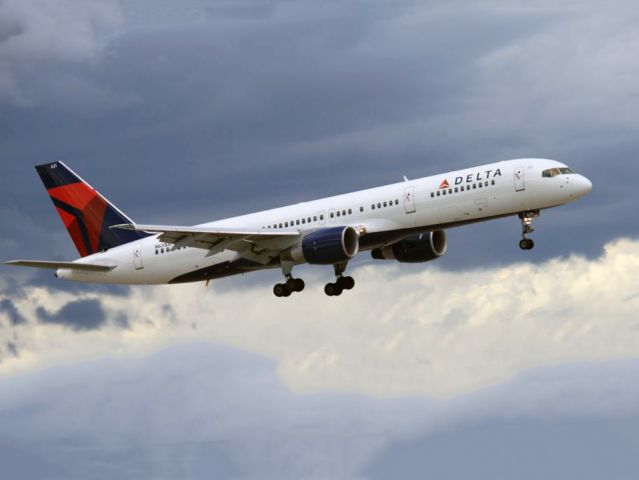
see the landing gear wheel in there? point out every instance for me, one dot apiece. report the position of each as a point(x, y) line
point(295, 284)
point(526, 244)
point(281, 290)
point(332, 289)
point(345, 283)
point(298, 284)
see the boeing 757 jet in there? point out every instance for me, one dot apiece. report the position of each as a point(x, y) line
point(404, 221)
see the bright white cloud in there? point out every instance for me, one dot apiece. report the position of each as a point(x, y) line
point(416, 332)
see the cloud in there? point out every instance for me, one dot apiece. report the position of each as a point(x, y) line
point(302, 100)
point(80, 315)
point(200, 410)
point(403, 330)
point(38, 33)
point(8, 308)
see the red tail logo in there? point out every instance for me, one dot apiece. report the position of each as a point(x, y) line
point(444, 184)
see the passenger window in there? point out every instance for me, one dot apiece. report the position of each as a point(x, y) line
point(373, 206)
point(456, 189)
point(350, 212)
point(474, 186)
point(379, 205)
point(280, 225)
point(462, 188)
point(438, 193)
point(492, 182)
point(432, 194)
point(315, 218)
point(444, 192)
point(156, 252)
point(332, 215)
point(308, 219)
point(344, 212)
point(479, 185)
point(486, 183)
point(286, 224)
point(297, 222)
point(162, 250)
point(361, 209)
point(396, 202)
point(385, 204)
point(303, 221)
point(338, 213)
point(321, 217)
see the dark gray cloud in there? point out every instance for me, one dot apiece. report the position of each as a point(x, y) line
point(79, 315)
point(196, 411)
point(230, 109)
point(579, 447)
point(9, 309)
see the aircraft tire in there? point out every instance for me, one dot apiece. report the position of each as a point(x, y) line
point(280, 290)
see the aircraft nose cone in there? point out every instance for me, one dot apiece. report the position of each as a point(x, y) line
point(584, 186)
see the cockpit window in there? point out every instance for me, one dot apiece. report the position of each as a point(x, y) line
point(553, 172)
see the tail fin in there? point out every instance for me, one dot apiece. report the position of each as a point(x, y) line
point(86, 214)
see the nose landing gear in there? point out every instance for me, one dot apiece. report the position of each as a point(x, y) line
point(526, 228)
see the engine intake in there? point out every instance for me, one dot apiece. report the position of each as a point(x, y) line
point(327, 246)
point(423, 247)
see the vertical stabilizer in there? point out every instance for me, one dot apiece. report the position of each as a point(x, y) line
point(86, 214)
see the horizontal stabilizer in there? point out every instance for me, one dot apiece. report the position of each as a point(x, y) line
point(87, 267)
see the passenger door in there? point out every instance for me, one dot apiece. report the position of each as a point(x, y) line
point(409, 199)
point(137, 256)
point(520, 182)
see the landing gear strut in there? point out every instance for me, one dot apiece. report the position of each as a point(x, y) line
point(342, 283)
point(291, 285)
point(526, 228)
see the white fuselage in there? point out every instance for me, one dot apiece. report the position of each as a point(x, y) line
point(384, 215)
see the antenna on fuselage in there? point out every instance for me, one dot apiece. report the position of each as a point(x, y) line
point(405, 178)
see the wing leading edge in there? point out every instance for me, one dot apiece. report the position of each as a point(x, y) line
point(257, 245)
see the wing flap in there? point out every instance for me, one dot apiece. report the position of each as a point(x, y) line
point(87, 267)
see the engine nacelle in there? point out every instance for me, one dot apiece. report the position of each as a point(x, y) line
point(423, 247)
point(327, 246)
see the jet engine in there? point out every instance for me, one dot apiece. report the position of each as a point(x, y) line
point(327, 246)
point(423, 247)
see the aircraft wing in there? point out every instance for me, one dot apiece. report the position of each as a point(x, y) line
point(87, 267)
point(257, 245)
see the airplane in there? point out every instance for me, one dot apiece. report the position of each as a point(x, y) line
point(404, 221)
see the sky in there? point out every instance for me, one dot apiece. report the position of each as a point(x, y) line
point(490, 362)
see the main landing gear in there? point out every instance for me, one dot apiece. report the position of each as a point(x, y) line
point(291, 285)
point(297, 284)
point(342, 283)
point(526, 227)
